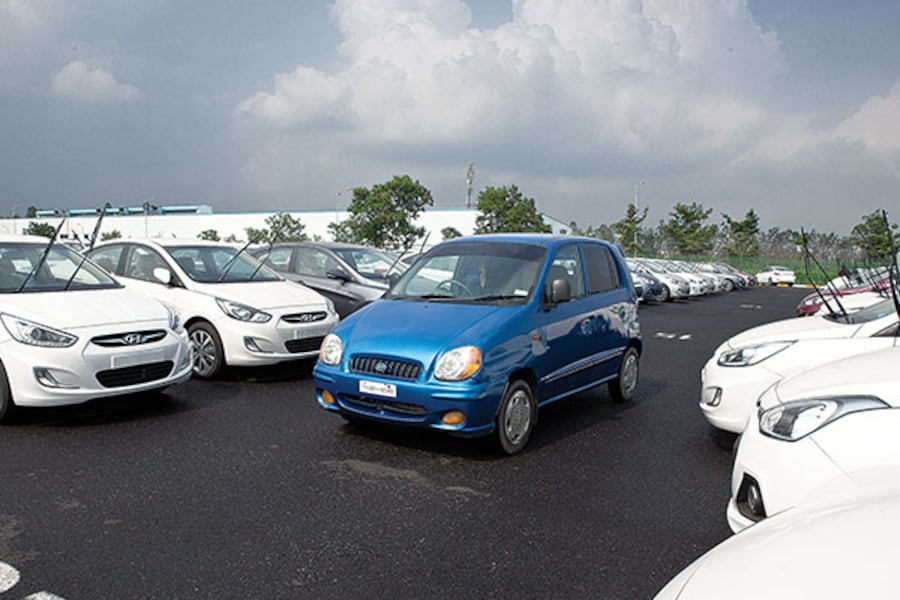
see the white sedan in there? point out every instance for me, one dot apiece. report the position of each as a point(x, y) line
point(72, 333)
point(745, 365)
point(829, 430)
point(776, 275)
point(835, 549)
point(237, 311)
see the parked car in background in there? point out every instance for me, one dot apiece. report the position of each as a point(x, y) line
point(72, 333)
point(670, 286)
point(237, 311)
point(349, 275)
point(836, 548)
point(828, 430)
point(776, 275)
point(517, 322)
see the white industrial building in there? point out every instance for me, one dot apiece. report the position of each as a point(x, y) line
point(189, 222)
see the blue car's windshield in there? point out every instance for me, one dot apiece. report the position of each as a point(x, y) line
point(473, 272)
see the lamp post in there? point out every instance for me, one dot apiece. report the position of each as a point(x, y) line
point(12, 213)
point(637, 199)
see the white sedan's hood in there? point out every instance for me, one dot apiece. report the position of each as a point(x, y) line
point(796, 328)
point(870, 374)
point(73, 310)
point(828, 551)
point(266, 295)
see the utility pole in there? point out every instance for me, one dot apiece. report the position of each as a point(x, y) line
point(470, 178)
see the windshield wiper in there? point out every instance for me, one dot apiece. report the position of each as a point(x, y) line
point(88, 249)
point(266, 254)
point(226, 268)
point(43, 257)
point(807, 256)
point(492, 297)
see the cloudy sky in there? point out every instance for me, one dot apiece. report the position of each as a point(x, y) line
point(789, 108)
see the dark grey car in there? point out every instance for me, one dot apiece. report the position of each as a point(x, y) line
point(350, 275)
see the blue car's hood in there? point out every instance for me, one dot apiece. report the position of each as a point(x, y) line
point(420, 330)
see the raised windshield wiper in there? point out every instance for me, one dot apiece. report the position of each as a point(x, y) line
point(267, 252)
point(43, 257)
point(88, 249)
point(807, 256)
point(226, 268)
point(893, 272)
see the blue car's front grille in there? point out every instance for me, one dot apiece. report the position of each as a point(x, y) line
point(379, 405)
point(384, 367)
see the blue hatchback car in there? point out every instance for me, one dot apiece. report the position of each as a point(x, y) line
point(481, 332)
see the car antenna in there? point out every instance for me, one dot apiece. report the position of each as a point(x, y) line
point(807, 256)
point(893, 273)
point(43, 258)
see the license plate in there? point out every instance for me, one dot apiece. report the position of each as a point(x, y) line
point(136, 358)
point(389, 390)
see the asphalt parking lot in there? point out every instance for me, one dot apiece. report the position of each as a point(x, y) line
point(244, 488)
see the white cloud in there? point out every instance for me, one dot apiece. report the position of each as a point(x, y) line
point(876, 125)
point(572, 77)
point(82, 82)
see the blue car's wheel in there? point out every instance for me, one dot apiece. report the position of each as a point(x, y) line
point(622, 387)
point(516, 417)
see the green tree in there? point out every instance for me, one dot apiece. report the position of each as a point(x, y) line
point(210, 235)
point(282, 227)
point(872, 237)
point(42, 229)
point(505, 209)
point(448, 233)
point(115, 234)
point(384, 216)
point(629, 228)
point(741, 237)
point(31, 213)
point(685, 229)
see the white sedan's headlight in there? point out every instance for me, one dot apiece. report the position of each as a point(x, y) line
point(34, 334)
point(332, 350)
point(795, 420)
point(174, 320)
point(242, 312)
point(458, 364)
point(751, 355)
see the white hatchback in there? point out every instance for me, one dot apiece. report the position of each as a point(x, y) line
point(237, 311)
point(746, 364)
point(72, 333)
point(829, 430)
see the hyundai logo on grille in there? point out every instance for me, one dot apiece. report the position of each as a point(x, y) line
point(132, 338)
point(305, 317)
point(381, 367)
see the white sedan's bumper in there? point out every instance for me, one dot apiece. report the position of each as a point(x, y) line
point(249, 344)
point(728, 395)
point(41, 376)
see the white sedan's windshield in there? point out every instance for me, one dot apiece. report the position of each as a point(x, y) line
point(25, 268)
point(215, 264)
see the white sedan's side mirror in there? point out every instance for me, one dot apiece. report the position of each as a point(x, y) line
point(163, 275)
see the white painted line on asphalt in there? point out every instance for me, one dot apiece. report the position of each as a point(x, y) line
point(9, 577)
point(683, 337)
point(754, 306)
point(43, 596)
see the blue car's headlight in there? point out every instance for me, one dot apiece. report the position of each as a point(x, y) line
point(332, 350)
point(795, 420)
point(458, 364)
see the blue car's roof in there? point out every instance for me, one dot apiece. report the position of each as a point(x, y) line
point(544, 239)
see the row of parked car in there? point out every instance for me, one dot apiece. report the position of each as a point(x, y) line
point(471, 339)
point(814, 404)
point(664, 280)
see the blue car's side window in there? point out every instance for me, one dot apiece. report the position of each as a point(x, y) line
point(603, 274)
point(567, 265)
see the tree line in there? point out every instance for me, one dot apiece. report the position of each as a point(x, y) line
point(384, 216)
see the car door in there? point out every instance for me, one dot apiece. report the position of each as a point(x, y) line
point(310, 266)
point(136, 270)
point(565, 365)
point(612, 308)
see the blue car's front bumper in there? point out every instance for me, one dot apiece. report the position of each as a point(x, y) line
point(416, 403)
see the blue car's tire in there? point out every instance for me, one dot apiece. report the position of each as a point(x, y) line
point(515, 417)
point(622, 388)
